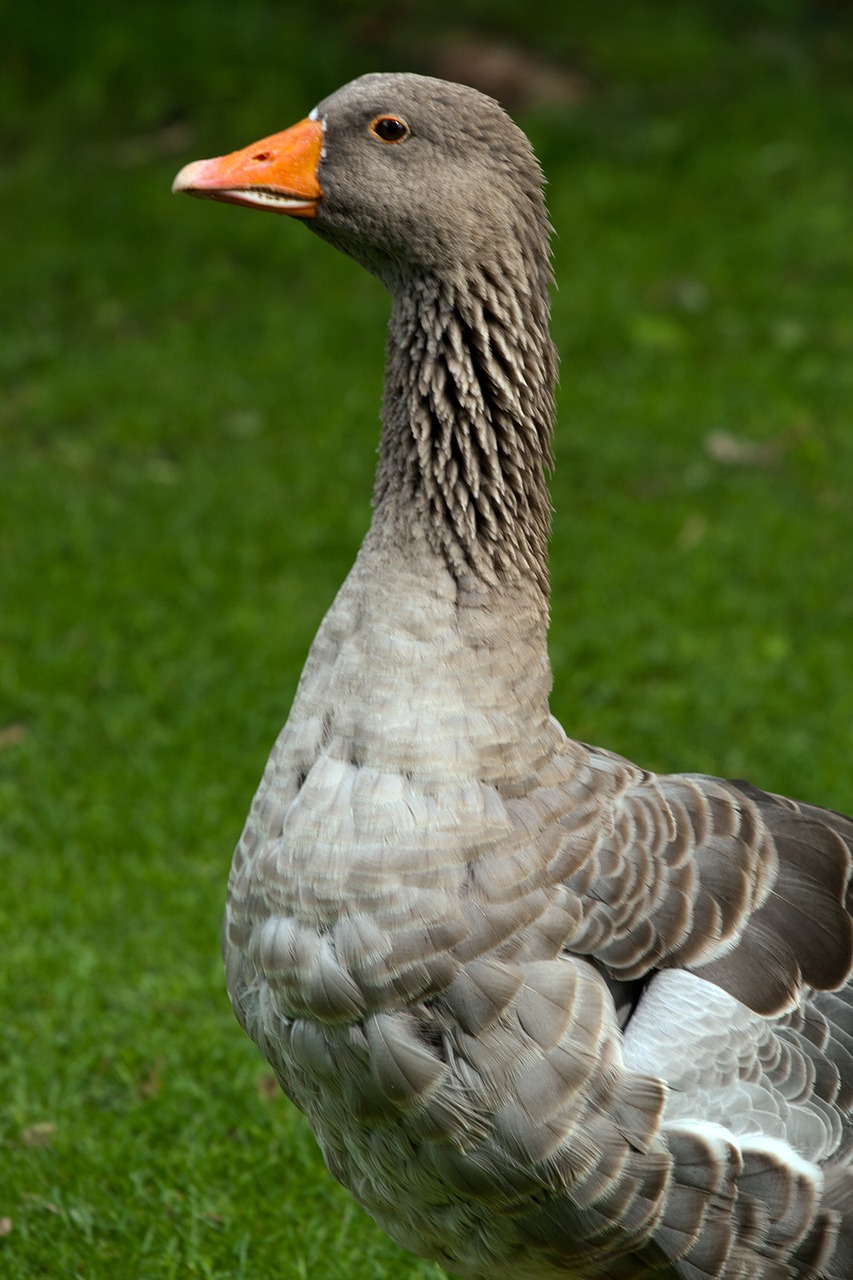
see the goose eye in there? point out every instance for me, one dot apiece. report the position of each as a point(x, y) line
point(390, 128)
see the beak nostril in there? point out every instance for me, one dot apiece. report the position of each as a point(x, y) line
point(262, 155)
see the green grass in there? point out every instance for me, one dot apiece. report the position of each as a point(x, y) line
point(188, 413)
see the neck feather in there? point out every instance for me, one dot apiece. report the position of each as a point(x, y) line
point(468, 417)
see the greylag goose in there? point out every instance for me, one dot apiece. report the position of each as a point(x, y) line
point(550, 1016)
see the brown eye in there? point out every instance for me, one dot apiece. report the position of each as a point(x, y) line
point(390, 128)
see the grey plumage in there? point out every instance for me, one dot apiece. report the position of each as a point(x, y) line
point(549, 1015)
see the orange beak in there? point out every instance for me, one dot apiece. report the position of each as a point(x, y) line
point(278, 173)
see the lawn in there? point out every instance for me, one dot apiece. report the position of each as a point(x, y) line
point(189, 404)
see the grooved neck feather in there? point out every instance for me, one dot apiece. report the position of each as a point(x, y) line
point(468, 413)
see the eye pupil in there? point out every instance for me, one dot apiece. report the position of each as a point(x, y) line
point(390, 128)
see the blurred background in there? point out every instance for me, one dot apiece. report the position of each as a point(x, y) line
point(189, 399)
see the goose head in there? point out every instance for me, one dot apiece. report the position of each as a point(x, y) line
point(408, 175)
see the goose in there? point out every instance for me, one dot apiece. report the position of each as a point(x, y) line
point(549, 1015)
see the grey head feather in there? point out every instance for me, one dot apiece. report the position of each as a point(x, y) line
point(463, 183)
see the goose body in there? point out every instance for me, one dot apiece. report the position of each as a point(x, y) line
point(550, 1016)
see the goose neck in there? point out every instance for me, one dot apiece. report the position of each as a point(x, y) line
point(467, 420)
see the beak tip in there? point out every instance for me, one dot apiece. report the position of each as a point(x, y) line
point(190, 177)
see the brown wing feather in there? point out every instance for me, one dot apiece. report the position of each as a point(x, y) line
point(750, 890)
